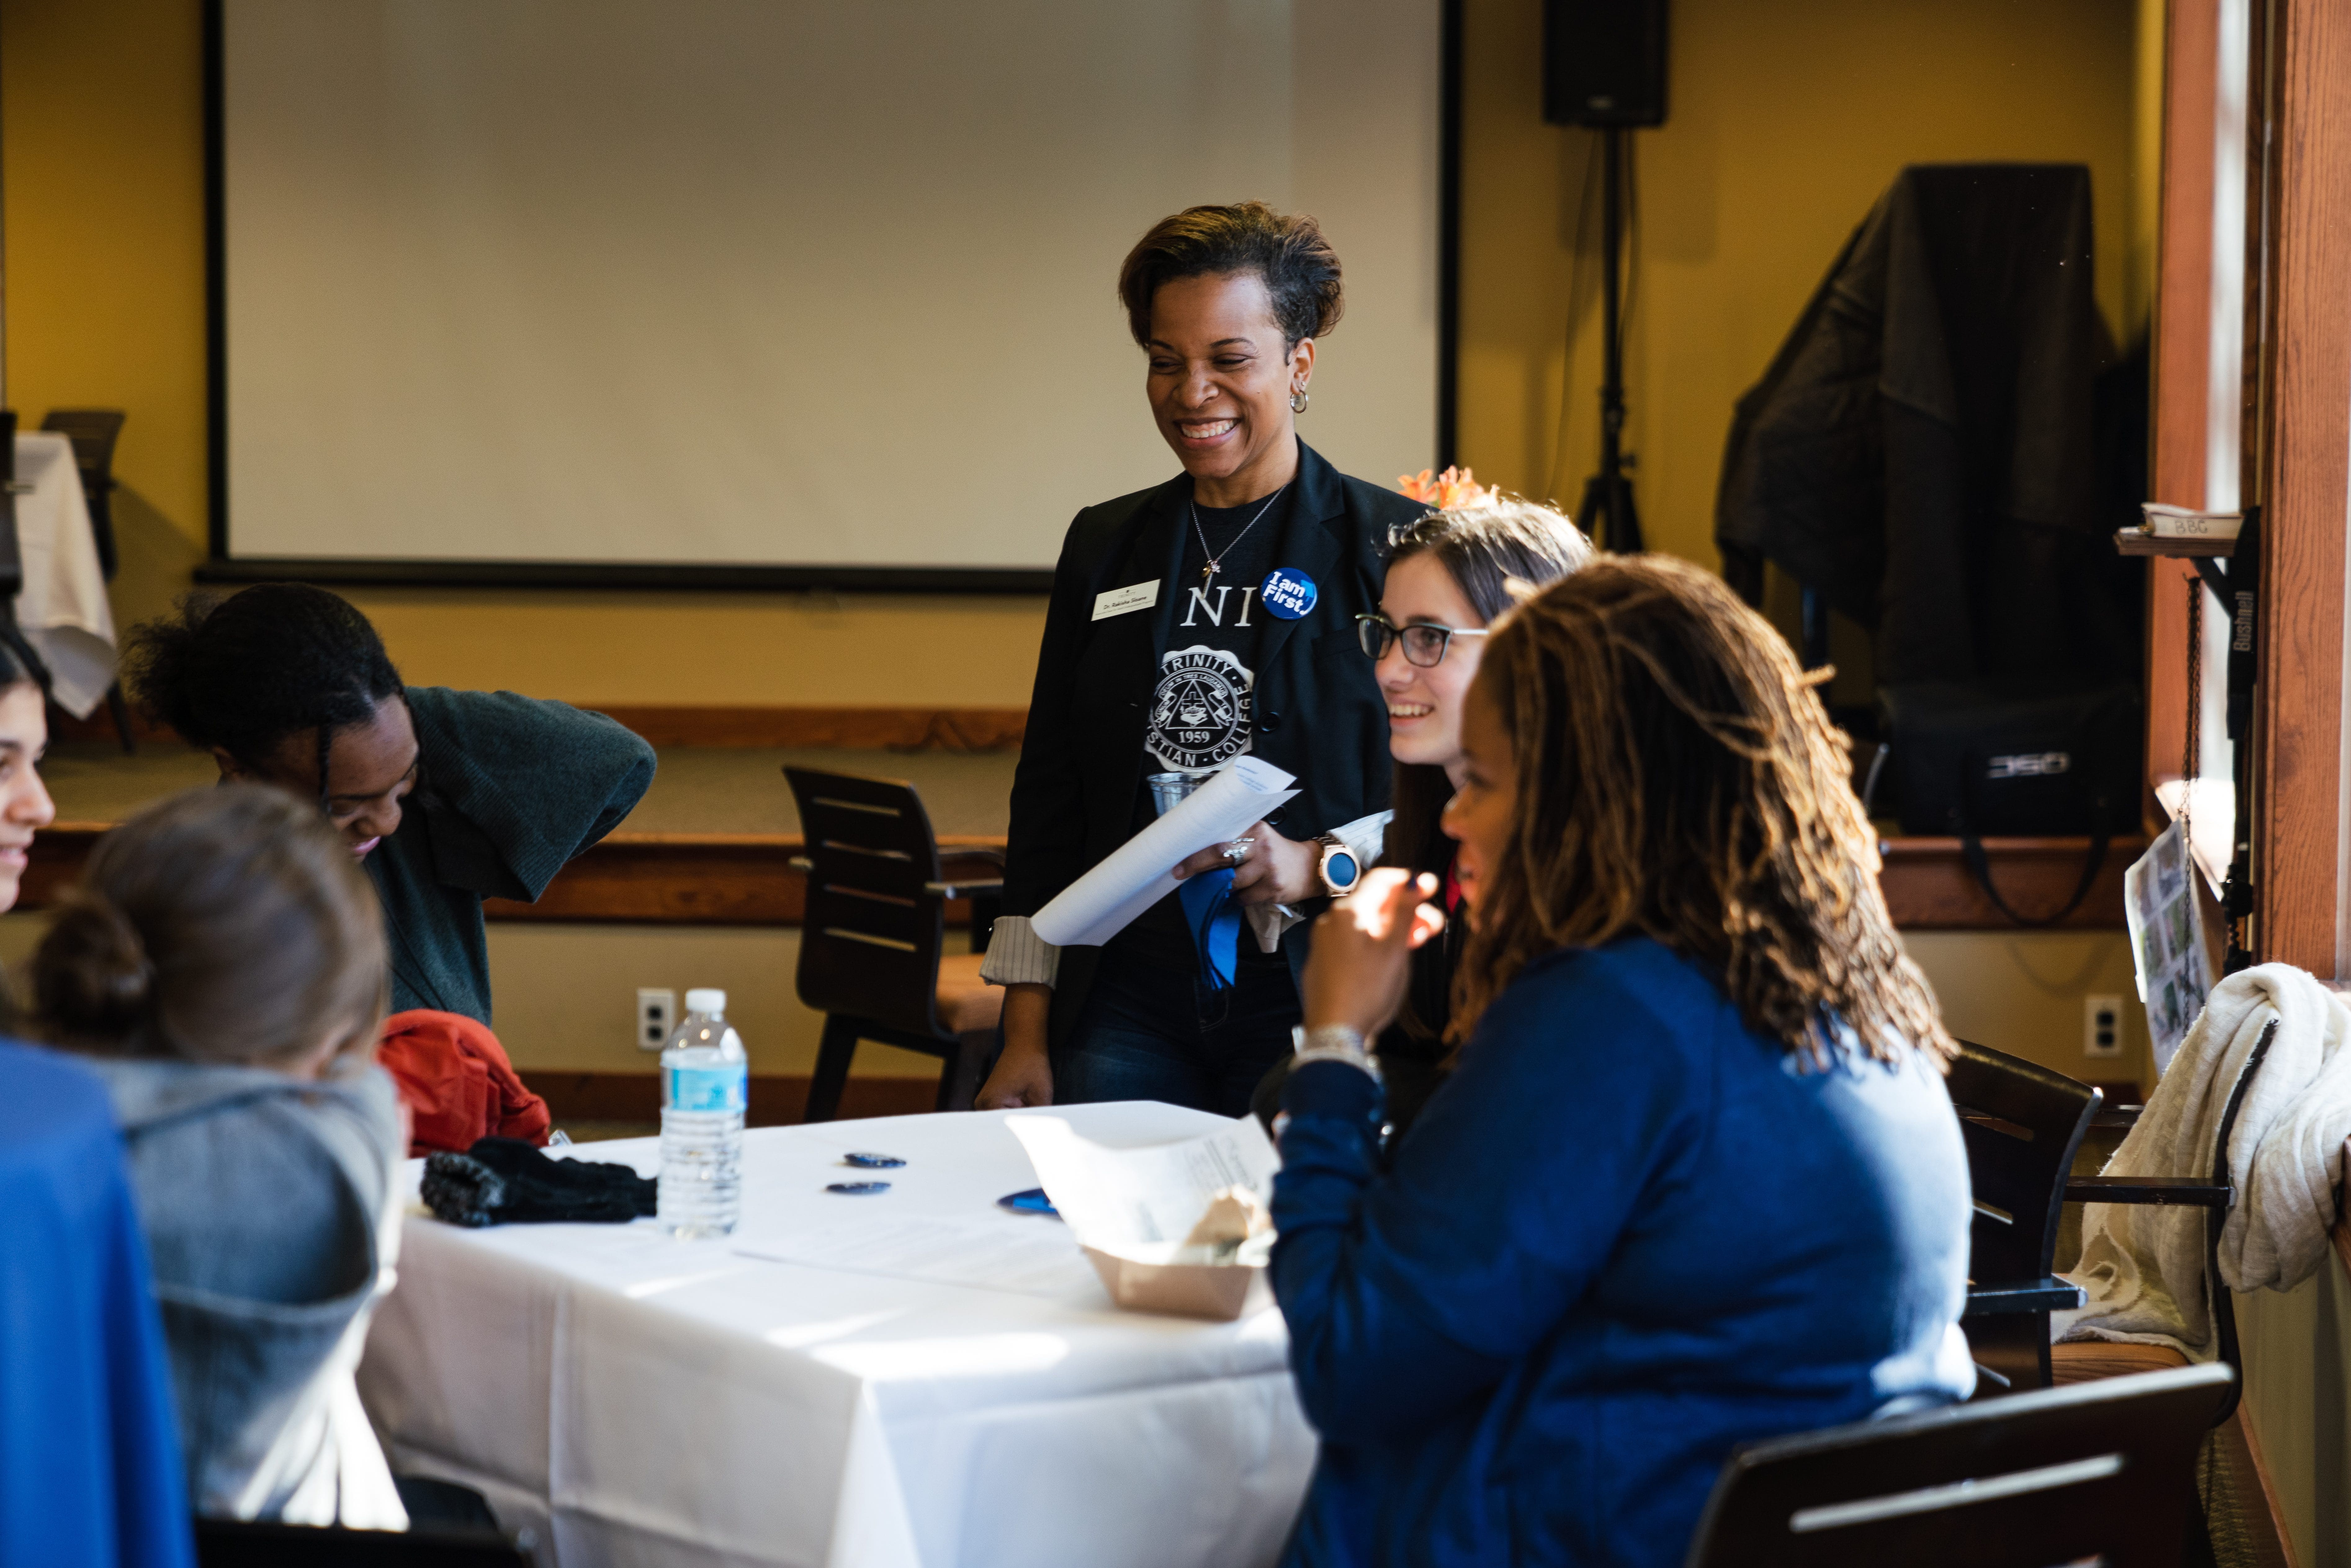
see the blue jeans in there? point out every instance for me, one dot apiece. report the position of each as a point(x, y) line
point(1155, 1033)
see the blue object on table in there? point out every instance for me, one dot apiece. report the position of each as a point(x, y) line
point(872, 1162)
point(90, 1453)
point(1033, 1201)
point(857, 1188)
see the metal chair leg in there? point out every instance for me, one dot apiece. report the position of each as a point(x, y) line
point(834, 1055)
point(960, 1078)
point(119, 711)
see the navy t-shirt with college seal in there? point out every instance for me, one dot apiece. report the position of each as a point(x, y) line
point(1203, 709)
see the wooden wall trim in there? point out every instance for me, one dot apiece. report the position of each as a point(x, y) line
point(2307, 477)
point(1929, 887)
point(2181, 356)
point(745, 879)
point(830, 728)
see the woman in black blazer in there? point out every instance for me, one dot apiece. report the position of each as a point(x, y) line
point(1190, 623)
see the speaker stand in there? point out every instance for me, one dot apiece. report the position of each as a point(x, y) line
point(1608, 513)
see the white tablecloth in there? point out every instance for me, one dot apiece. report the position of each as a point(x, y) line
point(641, 1400)
point(63, 610)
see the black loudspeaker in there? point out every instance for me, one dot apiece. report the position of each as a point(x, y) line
point(1604, 62)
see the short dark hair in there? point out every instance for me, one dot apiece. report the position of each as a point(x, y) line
point(246, 671)
point(221, 924)
point(1300, 268)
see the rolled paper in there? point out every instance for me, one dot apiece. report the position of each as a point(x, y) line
point(1142, 871)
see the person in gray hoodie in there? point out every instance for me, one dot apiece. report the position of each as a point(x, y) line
point(222, 967)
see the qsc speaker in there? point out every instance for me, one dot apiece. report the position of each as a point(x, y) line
point(1604, 62)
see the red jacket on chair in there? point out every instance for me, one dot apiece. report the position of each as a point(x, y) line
point(456, 1083)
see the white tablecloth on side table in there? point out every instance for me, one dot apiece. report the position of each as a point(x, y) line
point(643, 1400)
point(63, 610)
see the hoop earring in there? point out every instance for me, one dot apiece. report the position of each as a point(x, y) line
point(1299, 399)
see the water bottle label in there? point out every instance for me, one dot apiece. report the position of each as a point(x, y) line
point(709, 1088)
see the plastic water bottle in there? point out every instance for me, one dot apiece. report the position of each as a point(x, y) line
point(706, 1079)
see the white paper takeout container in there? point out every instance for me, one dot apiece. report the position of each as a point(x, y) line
point(1122, 1202)
point(1153, 1277)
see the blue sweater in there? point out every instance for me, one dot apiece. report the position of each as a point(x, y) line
point(1627, 1235)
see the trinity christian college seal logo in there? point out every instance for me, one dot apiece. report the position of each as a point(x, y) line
point(1200, 714)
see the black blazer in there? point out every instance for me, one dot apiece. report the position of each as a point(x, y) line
point(1318, 710)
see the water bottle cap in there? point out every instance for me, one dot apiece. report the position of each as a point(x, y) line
point(705, 1000)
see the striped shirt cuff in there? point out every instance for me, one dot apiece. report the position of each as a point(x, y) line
point(1017, 956)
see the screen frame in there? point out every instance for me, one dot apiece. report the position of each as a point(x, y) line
point(221, 566)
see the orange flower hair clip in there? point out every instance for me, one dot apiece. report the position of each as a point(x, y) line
point(1454, 488)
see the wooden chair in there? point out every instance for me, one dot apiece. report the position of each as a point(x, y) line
point(872, 936)
point(2102, 1472)
point(2022, 1126)
point(2082, 1360)
point(243, 1543)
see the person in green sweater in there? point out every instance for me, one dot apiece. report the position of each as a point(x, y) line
point(446, 796)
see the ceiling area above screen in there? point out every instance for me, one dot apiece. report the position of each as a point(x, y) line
point(718, 283)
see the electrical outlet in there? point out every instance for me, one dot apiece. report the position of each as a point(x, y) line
point(2101, 1027)
point(656, 1015)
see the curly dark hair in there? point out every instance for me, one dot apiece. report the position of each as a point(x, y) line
point(1300, 268)
point(1677, 777)
point(246, 671)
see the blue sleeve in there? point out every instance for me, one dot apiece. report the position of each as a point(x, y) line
point(1409, 1292)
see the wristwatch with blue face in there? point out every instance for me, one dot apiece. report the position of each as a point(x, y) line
point(1341, 870)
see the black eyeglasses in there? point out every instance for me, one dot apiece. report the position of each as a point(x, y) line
point(1422, 645)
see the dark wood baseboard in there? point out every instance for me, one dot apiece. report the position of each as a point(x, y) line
point(827, 729)
point(776, 1099)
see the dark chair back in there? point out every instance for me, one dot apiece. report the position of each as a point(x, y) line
point(2102, 1471)
point(875, 920)
point(2022, 1126)
point(92, 432)
point(243, 1543)
point(12, 556)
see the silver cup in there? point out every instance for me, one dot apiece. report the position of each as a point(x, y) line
point(1167, 788)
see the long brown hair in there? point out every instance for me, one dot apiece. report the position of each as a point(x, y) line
point(1484, 548)
point(226, 925)
point(1678, 778)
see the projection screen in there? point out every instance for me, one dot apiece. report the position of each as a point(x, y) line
point(771, 284)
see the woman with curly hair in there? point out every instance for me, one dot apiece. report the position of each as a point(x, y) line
point(1695, 1179)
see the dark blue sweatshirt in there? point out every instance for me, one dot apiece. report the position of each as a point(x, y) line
point(1628, 1235)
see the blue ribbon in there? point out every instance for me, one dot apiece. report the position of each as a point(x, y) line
point(1216, 921)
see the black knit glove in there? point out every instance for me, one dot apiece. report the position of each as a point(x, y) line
point(505, 1181)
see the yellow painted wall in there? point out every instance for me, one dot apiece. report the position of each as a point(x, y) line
point(1786, 119)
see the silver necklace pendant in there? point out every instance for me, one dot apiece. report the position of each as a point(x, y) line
point(1215, 563)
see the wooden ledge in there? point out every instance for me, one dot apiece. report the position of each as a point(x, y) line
point(745, 879)
point(1930, 888)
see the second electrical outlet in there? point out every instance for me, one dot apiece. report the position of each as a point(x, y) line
point(656, 1015)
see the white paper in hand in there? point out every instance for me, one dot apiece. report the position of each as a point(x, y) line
point(1142, 871)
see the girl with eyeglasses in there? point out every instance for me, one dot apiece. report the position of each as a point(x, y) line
point(1449, 574)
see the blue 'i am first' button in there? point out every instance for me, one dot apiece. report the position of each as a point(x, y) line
point(1288, 592)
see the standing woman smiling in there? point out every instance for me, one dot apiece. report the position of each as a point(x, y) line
point(1207, 618)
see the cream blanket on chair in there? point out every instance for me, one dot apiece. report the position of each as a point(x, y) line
point(2142, 1266)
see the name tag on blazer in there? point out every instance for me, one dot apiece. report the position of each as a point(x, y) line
point(1121, 601)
